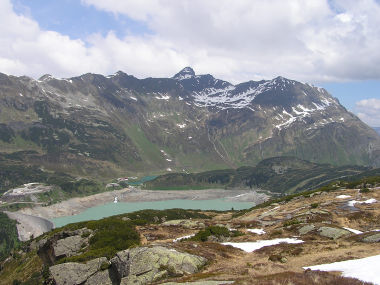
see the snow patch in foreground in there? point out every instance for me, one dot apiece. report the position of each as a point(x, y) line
point(343, 196)
point(184, 237)
point(255, 245)
point(354, 231)
point(256, 231)
point(369, 201)
point(364, 269)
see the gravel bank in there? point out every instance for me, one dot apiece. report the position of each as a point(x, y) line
point(29, 226)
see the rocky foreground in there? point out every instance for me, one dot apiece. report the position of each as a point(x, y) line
point(267, 245)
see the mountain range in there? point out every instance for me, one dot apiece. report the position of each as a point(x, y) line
point(102, 126)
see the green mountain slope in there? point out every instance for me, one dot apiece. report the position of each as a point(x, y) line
point(99, 126)
point(278, 175)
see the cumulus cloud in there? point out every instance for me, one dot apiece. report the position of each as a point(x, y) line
point(26, 49)
point(314, 40)
point(369, 111)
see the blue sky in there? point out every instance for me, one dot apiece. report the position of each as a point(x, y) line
point(72, 18)
point(330, 43)
point(348, 93)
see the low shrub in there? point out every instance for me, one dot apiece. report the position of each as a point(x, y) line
point(314, 205)
point(158, 216)
point(211, 231)
point(364, 190)
point(276, 233)
point(291, 222)
point(111, 235)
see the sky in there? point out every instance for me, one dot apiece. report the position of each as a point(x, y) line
point(334, 44)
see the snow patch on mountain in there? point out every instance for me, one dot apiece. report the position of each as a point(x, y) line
point(226, 98)
point(181, 126)
point(163, 97)
point(223, 96)
point(300, 112)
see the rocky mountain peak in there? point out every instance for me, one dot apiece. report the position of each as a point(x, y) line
point(185, 73)
point(45, 77)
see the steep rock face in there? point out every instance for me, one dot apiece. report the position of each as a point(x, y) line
point(94, 124)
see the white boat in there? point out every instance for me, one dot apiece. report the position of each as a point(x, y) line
point(115, 201)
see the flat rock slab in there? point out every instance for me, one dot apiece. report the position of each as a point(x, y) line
point(333, 233)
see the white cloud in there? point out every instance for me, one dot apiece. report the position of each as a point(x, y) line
point(369, 111)
point(26, 49)
point(314, 40)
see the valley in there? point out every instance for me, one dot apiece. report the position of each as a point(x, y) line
point(108, 126)
point(95, 169)
point(273, 242)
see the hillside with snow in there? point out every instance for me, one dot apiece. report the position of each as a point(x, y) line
point(94, 124)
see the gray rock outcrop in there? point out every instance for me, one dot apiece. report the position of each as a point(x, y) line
point(143, 265)
point(306, 229)
point(68, 246)
point(62, 244)
point(140, 265)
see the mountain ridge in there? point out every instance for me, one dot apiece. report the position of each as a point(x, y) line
point(107, 125)
point(278, 175)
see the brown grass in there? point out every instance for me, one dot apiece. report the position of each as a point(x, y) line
point(308, 277)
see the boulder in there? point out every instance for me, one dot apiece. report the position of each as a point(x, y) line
point(143, 265)
point(72, 273)
point(372, 238)
point(333, 233)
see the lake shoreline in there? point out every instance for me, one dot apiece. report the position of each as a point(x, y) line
point(77, 205)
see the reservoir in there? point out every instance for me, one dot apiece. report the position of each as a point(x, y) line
point(111, 209)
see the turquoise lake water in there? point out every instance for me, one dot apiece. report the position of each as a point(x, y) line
point(142, 180)
point(111, 209)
